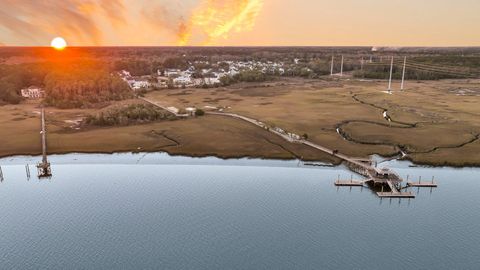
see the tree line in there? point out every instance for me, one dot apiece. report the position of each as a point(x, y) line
point(128, 114)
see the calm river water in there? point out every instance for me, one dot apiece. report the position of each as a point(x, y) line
point(153, 211)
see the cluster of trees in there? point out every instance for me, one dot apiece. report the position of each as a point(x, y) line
point(383, 72)
point(83, 85)
point(15, 77)
point(466, 61)
point(245, 76)
point(135, 67)
point(129, 114)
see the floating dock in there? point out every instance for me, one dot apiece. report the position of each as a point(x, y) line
point(395, 195)
point(349, 183)
point(422, 184)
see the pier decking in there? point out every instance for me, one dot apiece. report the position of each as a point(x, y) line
point(349, 183)
point(395, 195)
point(422, 184)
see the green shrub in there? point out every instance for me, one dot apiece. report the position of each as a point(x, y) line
point(129, 114)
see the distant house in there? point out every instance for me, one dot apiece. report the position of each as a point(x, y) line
point(33, 92)
point(182, 80)
point(191, 111)
point(140, 84)
point(172, 72)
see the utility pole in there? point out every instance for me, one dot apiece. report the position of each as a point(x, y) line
point(361, 65)
point(341, 68)
point(403, 73)
point(331, 67)
point(391, 73)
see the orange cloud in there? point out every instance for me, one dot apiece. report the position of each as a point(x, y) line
point(97, 22)
point(169, 18)
point(114, 10)
point(75, 19)
point(218, 18)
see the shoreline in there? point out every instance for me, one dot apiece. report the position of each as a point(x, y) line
point(231, 157)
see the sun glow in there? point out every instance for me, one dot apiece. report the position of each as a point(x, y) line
point(58, 43)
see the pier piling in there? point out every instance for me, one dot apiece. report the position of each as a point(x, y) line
point(27, 170)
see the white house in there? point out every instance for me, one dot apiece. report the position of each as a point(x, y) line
point(33, 92)
point(183, 80)
point(140, 84)
point(191, 111)
point(172, 72)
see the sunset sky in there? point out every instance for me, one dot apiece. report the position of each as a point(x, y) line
point(241, 22)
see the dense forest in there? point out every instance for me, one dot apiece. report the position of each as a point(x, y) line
point(15, 77)
point(83, 86)
point(66, 84)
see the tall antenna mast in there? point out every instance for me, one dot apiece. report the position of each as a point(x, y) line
point(341, 68)
point(403, 73)
point(331, 67)
point(391, 73)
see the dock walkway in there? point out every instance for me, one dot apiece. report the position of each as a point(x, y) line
point(364, 168)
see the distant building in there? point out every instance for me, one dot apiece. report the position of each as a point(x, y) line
point(191, 111)
point(33, 92)
point(182, 80)
point(172, 72)
point(140, 84)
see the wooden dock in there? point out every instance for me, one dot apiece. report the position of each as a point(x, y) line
point(395, 195)
point(349, 183)
point(422, 184)
point(383, 177)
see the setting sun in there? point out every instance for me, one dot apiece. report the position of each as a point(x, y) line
point(58, 43)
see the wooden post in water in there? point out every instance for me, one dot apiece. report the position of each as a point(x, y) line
point(27, 170)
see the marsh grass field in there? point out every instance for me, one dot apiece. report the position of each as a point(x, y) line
point(434, 122)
